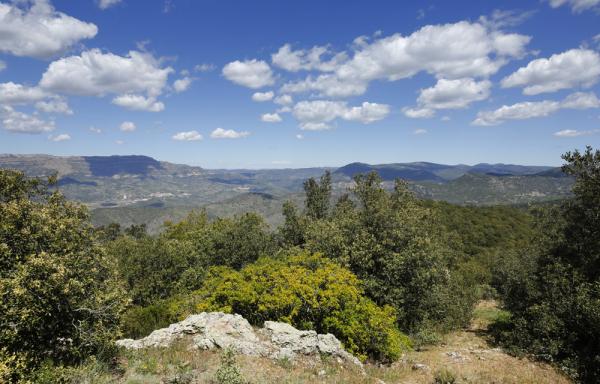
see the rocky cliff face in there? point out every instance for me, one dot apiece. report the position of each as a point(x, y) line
point(216, 330)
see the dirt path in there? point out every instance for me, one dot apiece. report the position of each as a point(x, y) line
point(471, 359)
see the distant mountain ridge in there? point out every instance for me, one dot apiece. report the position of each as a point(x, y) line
point(139, 189)
point(93, 166)
point(424, 171)
point(139, 165)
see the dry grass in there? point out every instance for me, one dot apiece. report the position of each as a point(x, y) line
point(466, 354)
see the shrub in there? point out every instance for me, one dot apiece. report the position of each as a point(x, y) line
point(59, 296)
point(139, 321)
point(233, 242)
point(228, 372)
point(309, 292)
point(151, 267)
point(444, 376)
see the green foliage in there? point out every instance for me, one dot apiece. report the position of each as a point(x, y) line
point(318, 195)
point(138, 231)
point(108, 232)
point(60, 300)
point(156, 268)
point(309, 292)
point(398, 248)
point(553, 289)
point(140, 321)
point(292, 229)
point(232, 242)
point(229, 372)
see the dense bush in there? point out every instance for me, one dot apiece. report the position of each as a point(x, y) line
point(59, 298)
point(553, 289)
point(233, 242)
point(309, 292)
point(156, 268)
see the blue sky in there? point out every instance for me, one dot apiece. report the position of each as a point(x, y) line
point(272, 84)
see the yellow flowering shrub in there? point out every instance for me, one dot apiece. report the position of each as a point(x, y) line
point(309, 292)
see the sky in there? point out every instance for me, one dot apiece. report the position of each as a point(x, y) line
point(290, 84)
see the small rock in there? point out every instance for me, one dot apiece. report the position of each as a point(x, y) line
point(456, 356)
point(322, 372)
point(419, 367)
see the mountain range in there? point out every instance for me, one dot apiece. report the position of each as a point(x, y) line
point(139, 189)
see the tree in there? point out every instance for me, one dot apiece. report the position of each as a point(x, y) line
point(59, 297)
point(233, 242)
point(152, 268)
point(292, 230)
point(318, 195)
point(554, 296)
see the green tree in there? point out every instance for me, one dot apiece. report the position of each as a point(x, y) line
point(554, 295)
point(292, 230)
point(233, 242)
point(318, 195)
point(152, 268)
point(60, 299)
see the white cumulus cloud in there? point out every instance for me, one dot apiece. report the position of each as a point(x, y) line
point(181, 85)
point(127, 126)
point(19, 122)
point(531, 109)
point(61, 137)
point(95, 73)
point(271, 118)
point(328, 85)
point(221, 133)
point(575, 133)
point(12, 93)
point(34, 29)
point(139, 103)
point(316, 115)
point(250, 73)
point(105, 4)
point(570, 69)
point(296, 60)
point(447, 51)
point(263, 96)
point(418, 113)
point(449, 94)
point(284, 100)
point(54, 105)
point(187, 136)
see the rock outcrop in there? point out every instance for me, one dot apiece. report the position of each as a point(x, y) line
point(216, 330)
